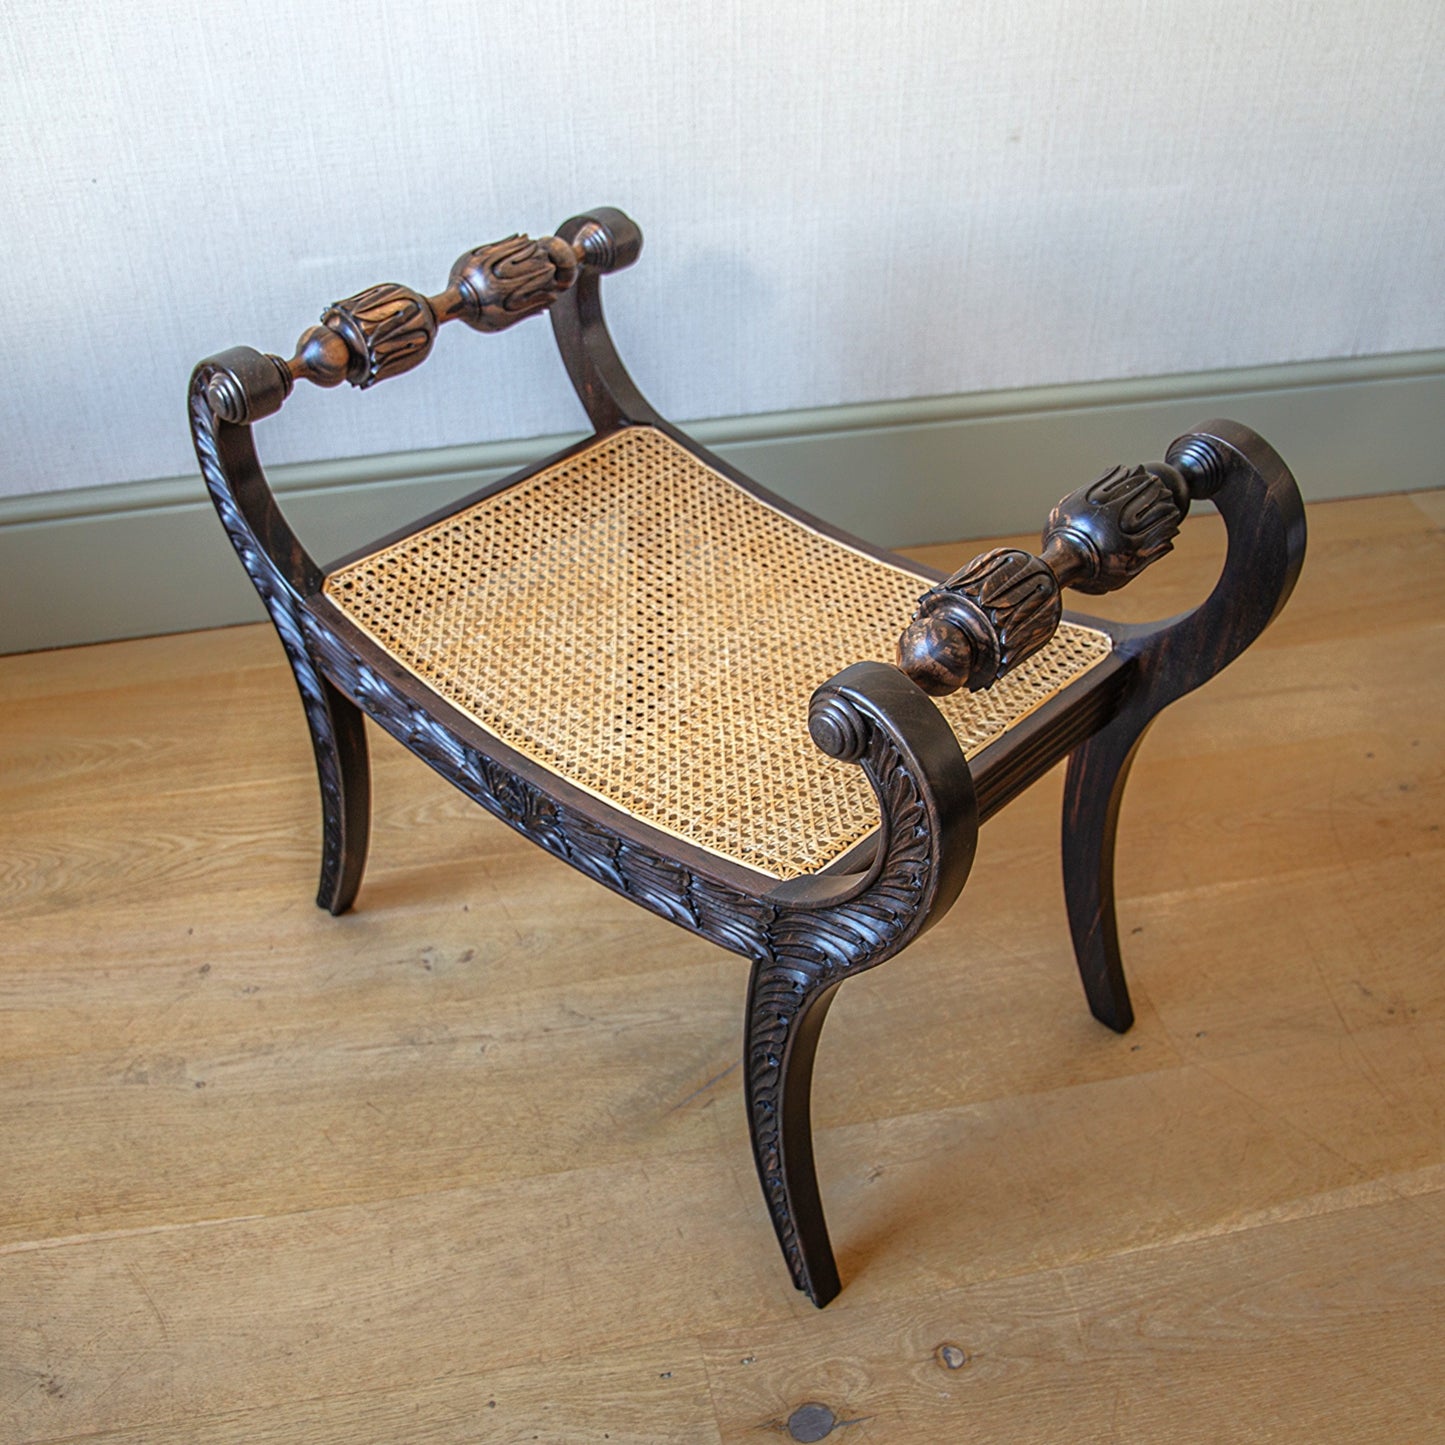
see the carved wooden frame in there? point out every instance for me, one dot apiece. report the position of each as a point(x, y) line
point(803, 937)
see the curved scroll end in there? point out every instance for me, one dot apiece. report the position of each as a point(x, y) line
point(1263, 513)
point(1265, 521)
point(241, 385)
point(606, 238)
point(873, 715)
point(227, 392)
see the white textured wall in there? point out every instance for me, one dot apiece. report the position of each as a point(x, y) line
point(843, 200)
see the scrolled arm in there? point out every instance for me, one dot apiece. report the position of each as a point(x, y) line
point(1005, 604)
point(389, 329)
point(871, 715)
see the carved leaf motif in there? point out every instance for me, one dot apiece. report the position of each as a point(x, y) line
point(508, 280)
point(1142, 506)
point(389, 329)
point(1115, 527)
point(813, 949)
point(1000, 608)
point(1018, 595)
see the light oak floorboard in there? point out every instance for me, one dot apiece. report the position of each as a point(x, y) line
point(471, 1163)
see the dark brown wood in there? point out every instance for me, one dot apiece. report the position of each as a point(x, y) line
point(804, 937)
point(1262, 511)
point(872, 715)
point(386, 331)
point(990, 615)
point(1009, 765)
point(785, 1014)
point(1104, 535)
point(1004, 605)
point(390, 329)
point(608, 394)
point(284, 575)
point(496, 286)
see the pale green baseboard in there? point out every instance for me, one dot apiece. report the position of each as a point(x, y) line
point(139, 558)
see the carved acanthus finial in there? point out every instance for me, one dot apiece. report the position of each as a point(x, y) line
point(498, 285)
point(386, 330)
point(985, 619)
point(1105, 534)
point(1005, 605)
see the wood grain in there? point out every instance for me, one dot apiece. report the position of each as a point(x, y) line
point(274, 1176)
point(1305, 1330)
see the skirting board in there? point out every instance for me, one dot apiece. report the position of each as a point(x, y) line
point(140, 558)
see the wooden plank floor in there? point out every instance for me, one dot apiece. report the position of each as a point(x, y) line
point(470, 1164)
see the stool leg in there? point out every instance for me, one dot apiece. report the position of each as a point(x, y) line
point(786, 1009)
point(338, 738)
point(1265, 524)
point(1093, 790)
point(346, 812)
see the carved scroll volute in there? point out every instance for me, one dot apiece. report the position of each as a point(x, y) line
point(990, 615)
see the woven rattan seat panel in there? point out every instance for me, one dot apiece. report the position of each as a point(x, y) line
point(644, 627)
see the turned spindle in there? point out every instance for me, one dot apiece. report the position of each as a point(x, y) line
point(389, 329)
point(1005, 604)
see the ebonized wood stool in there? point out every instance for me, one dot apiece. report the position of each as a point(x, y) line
point(617, 652)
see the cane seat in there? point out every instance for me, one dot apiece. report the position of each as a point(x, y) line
point(642, 626)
